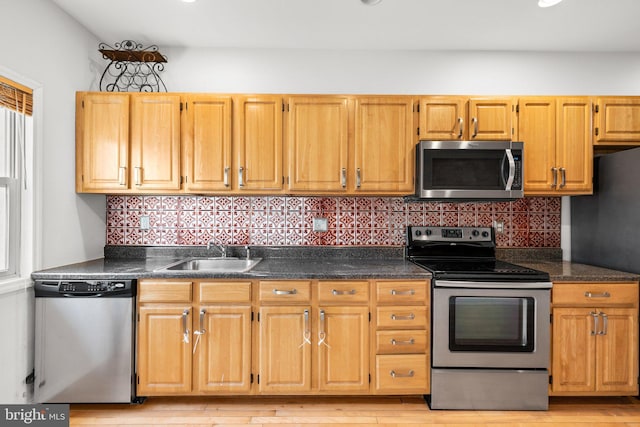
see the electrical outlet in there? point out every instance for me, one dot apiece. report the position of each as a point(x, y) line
point(320, 225)
point(144, 222)
point(499, 226)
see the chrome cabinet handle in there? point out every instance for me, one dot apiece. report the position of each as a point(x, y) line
point(595, 323)
point(409, 317)
point(358, 178)
point(322, 335)
point(226, 176)
point(461, 123)
point(554, 171)
point(563, 174)
point(122, 173)
point(138, 175)
point(602, 295)
point(605, 324)
point(409, 374)
point(409, 292)
point(512, 169)
point(474, 121)
point(306, 335)
point(410, 341)
point(185, 327)
point(285, 291)
point(343, 177)
point(241, 177)
point(201, 330)
point(337, 292)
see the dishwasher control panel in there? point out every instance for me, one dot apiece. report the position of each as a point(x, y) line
point(87, 288)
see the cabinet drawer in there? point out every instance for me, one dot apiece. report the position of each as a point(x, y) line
point(164, 291)
point(401, 292)
point(402, 317)
point(595, 294)
point(285, 290)
point(224, 292)
point(401, 342)
point(343, 291)
point(402, 374)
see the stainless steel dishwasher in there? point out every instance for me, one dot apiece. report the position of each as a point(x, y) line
point(84, 350)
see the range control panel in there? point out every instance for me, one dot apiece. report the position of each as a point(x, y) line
point(450, 234)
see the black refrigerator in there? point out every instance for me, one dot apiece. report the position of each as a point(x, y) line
point(605, 227)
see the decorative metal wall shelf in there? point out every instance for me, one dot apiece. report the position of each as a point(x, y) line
point(133, 68)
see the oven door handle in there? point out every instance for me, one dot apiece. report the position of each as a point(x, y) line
point(490, 285)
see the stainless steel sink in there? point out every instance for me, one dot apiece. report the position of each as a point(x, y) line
point(219, 265)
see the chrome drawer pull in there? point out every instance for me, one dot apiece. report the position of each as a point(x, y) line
point(409, 317)
point(409, 292)
point(602, 295)
point(285, 292)
point(407, 342)
point(337, 292)
point(407, 375)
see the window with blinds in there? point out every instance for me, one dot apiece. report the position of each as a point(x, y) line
point(16, 107)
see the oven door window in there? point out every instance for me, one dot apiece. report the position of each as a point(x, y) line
point(491, 324)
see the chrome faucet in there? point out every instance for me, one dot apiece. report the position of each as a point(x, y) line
point(248, 249)
point(221, 248)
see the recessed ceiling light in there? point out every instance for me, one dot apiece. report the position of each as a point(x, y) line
point(370, 2)
point(547, 3)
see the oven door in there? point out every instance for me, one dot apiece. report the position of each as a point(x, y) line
point(491, 328)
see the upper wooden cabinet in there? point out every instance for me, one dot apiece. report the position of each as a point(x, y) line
point(206, 143)
point(558, 153)
point(464, 118)
point(258, 143)
point(384, 145)
point(102, 142)
point(325, 155)
point(318, 137)
point(155, 141)
point(617, 120)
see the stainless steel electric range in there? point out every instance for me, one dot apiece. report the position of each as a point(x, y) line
point(490, 322)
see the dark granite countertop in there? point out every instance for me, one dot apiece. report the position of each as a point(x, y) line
point(565, 271)
point(310, 262)
point(317, 263)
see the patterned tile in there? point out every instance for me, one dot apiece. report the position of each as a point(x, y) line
point(152, 203)
point(116, 202)
point(133, 202)
point(172, 202)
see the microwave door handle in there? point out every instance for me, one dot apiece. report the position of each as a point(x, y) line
point(512, 169)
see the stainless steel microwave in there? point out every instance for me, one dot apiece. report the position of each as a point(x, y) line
point(469, 170)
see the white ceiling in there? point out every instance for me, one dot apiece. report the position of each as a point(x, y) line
point(573, 25)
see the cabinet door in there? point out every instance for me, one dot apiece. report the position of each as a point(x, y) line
point(343, 349)
point(206, 143)
point(318, 134)
point(155, 142)
point(617, 351)
point(284, 358)
point(224, 351)
point(164, 358)
point(617, 120)
point(491, 119)
point(102, 146)
point(537, 130)
point(385, 141)
point(573, 350)
point(574, 150)
point(442, 118)
point(258, 143)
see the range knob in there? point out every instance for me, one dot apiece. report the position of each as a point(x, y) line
point(475, 233)
point(428, 232)
point(485, 234)
point(418, 233)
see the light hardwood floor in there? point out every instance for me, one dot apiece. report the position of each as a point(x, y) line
point(351, 411)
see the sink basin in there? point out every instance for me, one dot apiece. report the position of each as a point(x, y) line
point(219, 265)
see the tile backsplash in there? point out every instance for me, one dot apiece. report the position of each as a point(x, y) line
point(352, 221)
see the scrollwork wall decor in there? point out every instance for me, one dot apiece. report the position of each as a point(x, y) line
point(132, 68)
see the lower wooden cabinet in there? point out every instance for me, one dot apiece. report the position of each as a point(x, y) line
point(595, 339)
point(288, 337)
point(194, 337)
